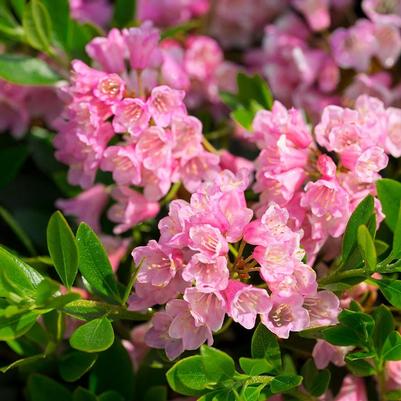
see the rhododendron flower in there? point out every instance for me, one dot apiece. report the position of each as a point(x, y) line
point(324, 353)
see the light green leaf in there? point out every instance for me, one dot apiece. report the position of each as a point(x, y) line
point(22, 362)
point(218, 365)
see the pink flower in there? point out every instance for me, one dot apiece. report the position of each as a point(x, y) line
point(369, 163)
point(352, 389)
point(142, 44)
point(110, 89)
point(87, 206)
point(116, 248)
point(109, 52)
point(131, 115)
point(131, 208)
point(95, 11)
point(324, 353)
point(136, 346)
point(164, 102)
point(208, 276)
point(207, 308)
point(349, 51)
point(316, 12)
point(393, 139)
point(154, 148)
point(187, 136)
point(185, 327)
point(202, 57)
point(286, 314)
point(323, 308)
point(123, 163)
point(388, 44)
point(382, 11)
point(208, 241)
point(245, 302)
point(393, 374)
point(158, 264)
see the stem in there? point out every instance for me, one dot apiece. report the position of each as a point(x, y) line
point(381, 378)
point(139, 81)
point(172, 193)
point(208, 146)
point(233, 250)
point(338, 276)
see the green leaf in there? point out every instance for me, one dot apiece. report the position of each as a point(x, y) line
point(23, 278)
point(243, 117)
point(342, 336)
point(18, 6)
point(46, 290)
point(393, 395)
point(389, 193)
point(8, 24)
point(22, 362)
point(392, 347)
point(361, 323)
point(188, 376)
point(361, 215)
point(381, 247)
point(63, 248)
point(42, 388)
point(156, 393)
point(315, 381)
point(121, 378)
point(124, 13)
point(12, 158)
point(283, 383)
point(75, 364)
point(78, 37)
point(218, 365)
point(360, 367)
point(37, 25)
point(391, 290)
point(25, 70)
point(59, 14)
point(82, 394)
point(94, 264)
point(255, 366)
point(111, 396)
point(396, 248)
point(264, 345)
point(384, 326)
point(18, 230)
point(16, 325)
point(94, 336)
point(367, 248)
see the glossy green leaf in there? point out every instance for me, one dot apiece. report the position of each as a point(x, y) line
point(361, 368)
point(25, 70)
point(389, 193)
point(255, 366)
point(94, 264)
point(391, 290)
point(63, 248)
point(16, 325)
point(396, 248)
point(367, 248)
point(188, 376)
point(384, 326)
point(94, 336)
point(283, 383)
point(75, 364)
point(45, 291)
point(42, 388)
point(218, 365)
point(37, 25)
point(342, 336)
point(264, 345)
point(392, 347)
point(361, 215)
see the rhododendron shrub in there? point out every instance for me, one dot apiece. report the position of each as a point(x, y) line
point(200, 200)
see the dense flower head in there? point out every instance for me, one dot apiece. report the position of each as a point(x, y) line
point(194, 246)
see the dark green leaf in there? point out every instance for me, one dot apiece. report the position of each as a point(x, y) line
point(367, 248)
point(384, 326)
point(264, 345)
point(391, 290)
point(156, 393)
point(392, 347)
point(12, 158)
point(42, 388)
point(389, 192)
point(342, 336)
point(120, 378)
point(37, 25)
point(94, 264)
point(25, 70)
point(283, 383)
point(111, 396)
point(59, 14)
point(361, 323)
point(22, 362)
point(361, 368)
point(63, 248)
point(393, 395)
point(82, 394)
point(218, 365)
point(361, 215)
point(188, 376)
point(94, 336)
point(75, 364)
point(315, 381)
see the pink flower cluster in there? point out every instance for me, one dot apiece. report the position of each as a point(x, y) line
point(192, 259)
point(123, 122)
point(98, 12)
point(318, 194)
